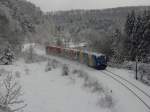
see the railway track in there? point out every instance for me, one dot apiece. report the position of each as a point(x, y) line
point(135, 90)
point(127, 84)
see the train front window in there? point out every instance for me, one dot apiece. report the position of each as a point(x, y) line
point(101, 60)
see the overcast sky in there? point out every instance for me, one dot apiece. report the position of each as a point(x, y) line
point(53, 5)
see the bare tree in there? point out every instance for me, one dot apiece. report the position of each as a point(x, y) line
point(12, 94)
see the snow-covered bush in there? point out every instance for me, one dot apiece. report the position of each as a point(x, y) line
point(48, 66)
point(129, 65)
point(7, 56)
point(89, 82)
point(106, 101)
point(65, 70)
point(54, 63)
point(10, 93)
point(94, 86)
point(75, 71)
point(144, 73)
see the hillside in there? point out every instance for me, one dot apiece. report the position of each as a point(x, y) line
point(79, 22)
point(21, 20)
point(18, 20)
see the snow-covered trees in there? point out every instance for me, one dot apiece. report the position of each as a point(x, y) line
point(133, 43)
point(117, 47)
point(136, 38)
point(130, 22)
point(137, 30)
point(18, 19)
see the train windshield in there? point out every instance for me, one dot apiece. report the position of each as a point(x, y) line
point(102, 59)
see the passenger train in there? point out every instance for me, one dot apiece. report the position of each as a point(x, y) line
point(91, 59)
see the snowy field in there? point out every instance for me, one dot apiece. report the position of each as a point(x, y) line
point(49, 91)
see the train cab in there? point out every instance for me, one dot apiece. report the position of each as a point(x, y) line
point(101, 62)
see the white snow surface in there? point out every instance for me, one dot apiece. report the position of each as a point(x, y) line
point(27, 46)
point(51, 92)
point(125, 100)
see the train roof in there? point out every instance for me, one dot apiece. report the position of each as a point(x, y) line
point(88, 52)
point(94, 53)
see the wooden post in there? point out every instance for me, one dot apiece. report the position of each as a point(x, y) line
point(136, 69)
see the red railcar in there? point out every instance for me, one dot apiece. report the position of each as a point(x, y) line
point(53, 50)
point(97, 61)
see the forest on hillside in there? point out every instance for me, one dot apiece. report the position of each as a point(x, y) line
point(105, 31)
point(20, 21)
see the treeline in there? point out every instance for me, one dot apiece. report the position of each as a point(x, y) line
point(78, 22)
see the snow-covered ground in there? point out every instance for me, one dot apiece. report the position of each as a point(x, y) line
point(130, 75)
point(124, 99)
point(52, 92)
